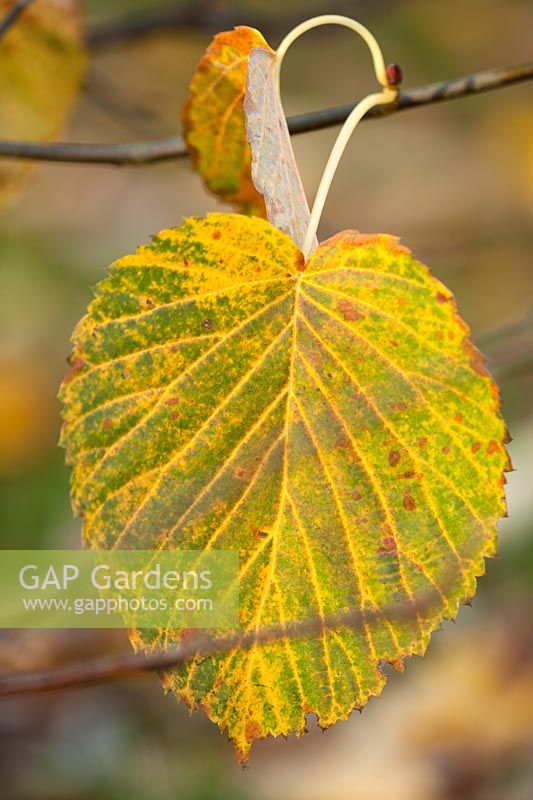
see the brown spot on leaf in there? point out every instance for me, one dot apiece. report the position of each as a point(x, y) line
point(422, 442)
point(458, 418)
point(407, 475)
point(397, 664)
point(394, 343)
point(253, 731)
point(394, 457)
point(446, 449)
point(409, 502)
point(259, 534)
point(76, 365)
point(475, 358)
point(217, 234)
point(389, 542)
point(440, 297)
point(475, 447)
point(493, 447)
point(172, 401)
point(207, 324)
point(239, 472)
point(398, 406)
point(299, 262)
point(357, 495)
point(349, 313)
point(106, 424)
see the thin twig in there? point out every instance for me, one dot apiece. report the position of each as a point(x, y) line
point(439, 92)
point(206, 15)
point(13, 14)
point(134, 664)
point(131, 153)
point(515, 358)
point(518, 328)
point(115, 31)
point(137, 153)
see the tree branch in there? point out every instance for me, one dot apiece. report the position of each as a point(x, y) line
point(517, 328)
point(515, 358)
point(439, 92)
point(195, 14)
point(137, 153)
point(134, 664)
point(208, 15)
point(12, 15)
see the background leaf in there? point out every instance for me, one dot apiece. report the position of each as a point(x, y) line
point(274, 169)
point(42, 62)
point(335, 425)
point(213, 119)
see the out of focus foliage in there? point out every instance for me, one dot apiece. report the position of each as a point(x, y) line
point(41, 66)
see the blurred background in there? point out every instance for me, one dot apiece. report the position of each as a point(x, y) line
point(456, 182)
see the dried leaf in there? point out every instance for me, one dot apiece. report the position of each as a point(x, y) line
point(213, 119)
point(41, 66)
point(274, 169)
point(331, 421)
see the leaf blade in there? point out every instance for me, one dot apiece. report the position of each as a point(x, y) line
point(213, 119)
point(274, 170)
point(42, 62)
point(329, 430)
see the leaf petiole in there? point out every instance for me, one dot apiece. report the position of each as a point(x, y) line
point(388, 94)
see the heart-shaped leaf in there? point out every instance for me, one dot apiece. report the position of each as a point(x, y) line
point(329, 420)
point(42, 62)
point(213, 119)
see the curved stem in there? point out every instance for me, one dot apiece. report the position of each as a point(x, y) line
point(336, 19)
point(387, 95)
point(362, 108)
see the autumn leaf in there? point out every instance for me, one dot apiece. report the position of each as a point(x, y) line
point(41, 66)
point(274, 169)
point(213, 119)
point(331, 421)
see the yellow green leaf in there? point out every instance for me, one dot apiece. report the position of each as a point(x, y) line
point(331, 421)
point(213, 119)
point(41, 65)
